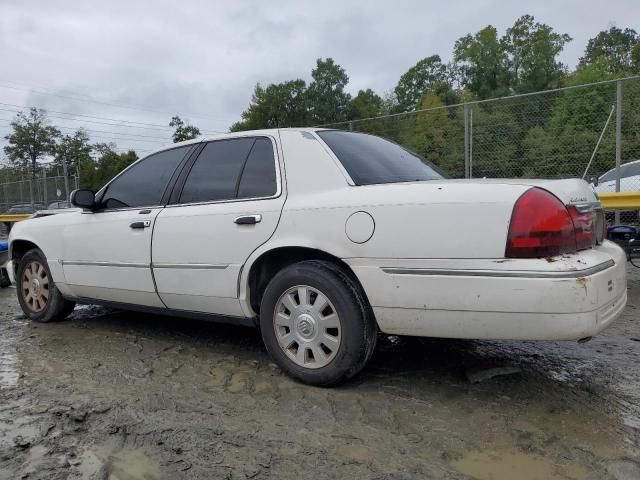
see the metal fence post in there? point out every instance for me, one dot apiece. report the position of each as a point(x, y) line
point(32, 177)
point(351, 126)
point(467, 172)
point(470, 142)
point(44, 185)
point(618, 139)
point(66, 177)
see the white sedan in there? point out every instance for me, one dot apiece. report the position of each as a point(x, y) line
point(629, 179)
point(325, 238)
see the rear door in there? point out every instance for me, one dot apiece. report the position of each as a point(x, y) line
point(107, 253)
point(226, 206)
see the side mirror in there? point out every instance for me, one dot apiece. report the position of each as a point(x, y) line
point(83, 198)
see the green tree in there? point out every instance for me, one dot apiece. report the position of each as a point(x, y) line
point(482, 63)
point(32, 140)
point(74, 150)
point(327, 100)
point(277, 105)
point(616, 46)
point(532, 49)
point(183, 131)
point(437, 133)
point(423, 76)
point(635, 58)
point(366, 104)
point(564, 144)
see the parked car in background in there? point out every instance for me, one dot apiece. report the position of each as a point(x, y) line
point(629, 179)
point(21, 209)
point(629, 182)
point(58, 205)
point(324, 238)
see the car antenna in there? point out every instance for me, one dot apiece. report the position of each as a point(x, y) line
point(613, 107)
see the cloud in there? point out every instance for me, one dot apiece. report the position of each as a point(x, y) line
point(202, 58)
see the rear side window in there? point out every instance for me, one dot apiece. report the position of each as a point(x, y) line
point(229, 169)
point(143, 184)
point(215, 174)
point(259, 174)
point(369, 159)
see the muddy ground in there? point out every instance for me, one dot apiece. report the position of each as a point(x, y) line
point(116, 395)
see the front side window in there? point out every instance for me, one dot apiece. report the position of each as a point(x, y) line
point(370, 160)
point(144, 183)
point(230, 169)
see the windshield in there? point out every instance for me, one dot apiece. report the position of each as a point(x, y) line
point(369, 159)
point(630, 169)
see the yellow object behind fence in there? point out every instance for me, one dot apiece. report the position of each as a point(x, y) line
point(620, 200)
point(11, 218)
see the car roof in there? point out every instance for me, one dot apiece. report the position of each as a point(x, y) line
point(246, 133)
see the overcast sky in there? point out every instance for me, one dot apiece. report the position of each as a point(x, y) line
point(201, 59)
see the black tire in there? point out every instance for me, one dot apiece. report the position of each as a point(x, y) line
point(4, 278)
point(55, 307)
point(359, 330)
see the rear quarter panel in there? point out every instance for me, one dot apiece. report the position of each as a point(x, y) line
point(420, 220)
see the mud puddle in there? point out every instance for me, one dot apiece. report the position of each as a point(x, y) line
point(104, 462)
point(509, 465)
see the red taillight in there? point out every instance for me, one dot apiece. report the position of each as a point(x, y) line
point(541, 226)
point(584, 224)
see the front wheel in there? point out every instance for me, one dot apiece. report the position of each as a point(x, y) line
point(4, 278)
point(316, 323)
point(38, 295)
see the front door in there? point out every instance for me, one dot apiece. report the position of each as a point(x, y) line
point(229, 205)
point(107, 253)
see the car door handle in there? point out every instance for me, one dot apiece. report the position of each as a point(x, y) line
point(143, 224)
point(248, 219)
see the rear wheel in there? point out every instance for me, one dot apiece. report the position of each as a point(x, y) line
point(316, 323)
point(38, 295)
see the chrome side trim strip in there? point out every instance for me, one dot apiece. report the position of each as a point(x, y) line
point(498, 273)
point(191, 266)
point(104, 264)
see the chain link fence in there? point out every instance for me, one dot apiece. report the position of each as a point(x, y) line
point(551, 134)
point(43, 192)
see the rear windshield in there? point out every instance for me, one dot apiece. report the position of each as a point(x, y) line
point(369, 159)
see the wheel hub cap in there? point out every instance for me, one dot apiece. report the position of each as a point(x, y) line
point(307, 326)
point(35, 287)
